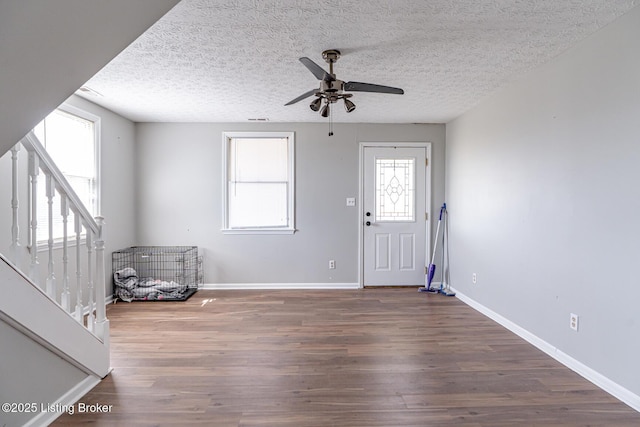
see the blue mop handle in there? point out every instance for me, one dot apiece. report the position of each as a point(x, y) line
point(442, 209)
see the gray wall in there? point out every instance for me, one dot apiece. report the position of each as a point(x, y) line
point(118, 175)
point(118, 193)
point(180, 192)
point(544, 201)
point(29, 373)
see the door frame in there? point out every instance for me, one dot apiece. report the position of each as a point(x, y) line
point(427, 189)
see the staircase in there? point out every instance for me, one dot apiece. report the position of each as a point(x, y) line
point(62, 325)
point(54, 334)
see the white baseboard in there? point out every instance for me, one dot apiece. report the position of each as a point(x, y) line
point(67, 400)
point(266, 286)
point(606, 384)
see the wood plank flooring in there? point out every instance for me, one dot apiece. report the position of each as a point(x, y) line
point(372, 357)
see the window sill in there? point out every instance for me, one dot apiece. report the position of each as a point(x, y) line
point(258, 230)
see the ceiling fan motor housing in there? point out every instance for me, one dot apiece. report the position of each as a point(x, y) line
point(332, 86)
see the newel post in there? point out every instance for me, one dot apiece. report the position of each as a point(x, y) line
point(51, 278)
point(102, 323)
point(15, 228)
point(34, 170)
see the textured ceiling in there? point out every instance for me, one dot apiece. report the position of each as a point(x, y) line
point(233, 60)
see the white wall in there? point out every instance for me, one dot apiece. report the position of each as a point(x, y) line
point(180, 193)
point(544, 202)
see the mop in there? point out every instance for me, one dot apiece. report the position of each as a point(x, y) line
point(432, 267)
point(445, 288)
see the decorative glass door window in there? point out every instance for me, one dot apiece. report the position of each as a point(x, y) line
point(395, 189)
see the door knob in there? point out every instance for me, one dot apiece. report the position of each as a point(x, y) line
point(368, 223)
point(368, 214)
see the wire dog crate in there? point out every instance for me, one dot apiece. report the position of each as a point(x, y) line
point(148, 273)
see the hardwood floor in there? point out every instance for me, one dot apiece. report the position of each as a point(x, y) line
point(372, 357)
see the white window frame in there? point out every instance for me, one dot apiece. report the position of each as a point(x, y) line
point(75, 111)
point(226, 141)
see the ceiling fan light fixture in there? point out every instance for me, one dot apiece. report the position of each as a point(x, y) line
point(325, 110)
point(315, 104)
point(349, 106)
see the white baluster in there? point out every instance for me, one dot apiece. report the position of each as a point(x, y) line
point(102, 323)
point(34, 170)
point(90, 317)
point(15, 229)
point(65, 298)
point(51, 278)
point(79, 308)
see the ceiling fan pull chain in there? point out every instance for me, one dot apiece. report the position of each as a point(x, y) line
point(330, 122)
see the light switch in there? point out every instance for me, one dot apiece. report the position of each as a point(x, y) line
point(351, 201)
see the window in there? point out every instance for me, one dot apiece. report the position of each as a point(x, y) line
point(71, 137)
point(395, 193)
point(259, 182)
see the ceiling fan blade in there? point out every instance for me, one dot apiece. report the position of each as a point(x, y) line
point(301, 97)
point(368, 87)
point(317, 70)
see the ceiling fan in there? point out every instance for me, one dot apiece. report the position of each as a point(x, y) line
point(331, 89)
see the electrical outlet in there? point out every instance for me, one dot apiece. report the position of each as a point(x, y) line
point(474, 278)
point(332, 264)
point(573, 322)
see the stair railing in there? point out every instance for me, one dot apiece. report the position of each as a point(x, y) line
point(90, 307)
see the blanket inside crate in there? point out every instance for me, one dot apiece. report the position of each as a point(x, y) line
point(130, 287)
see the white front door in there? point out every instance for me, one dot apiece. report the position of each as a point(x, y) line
point(394, 216)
